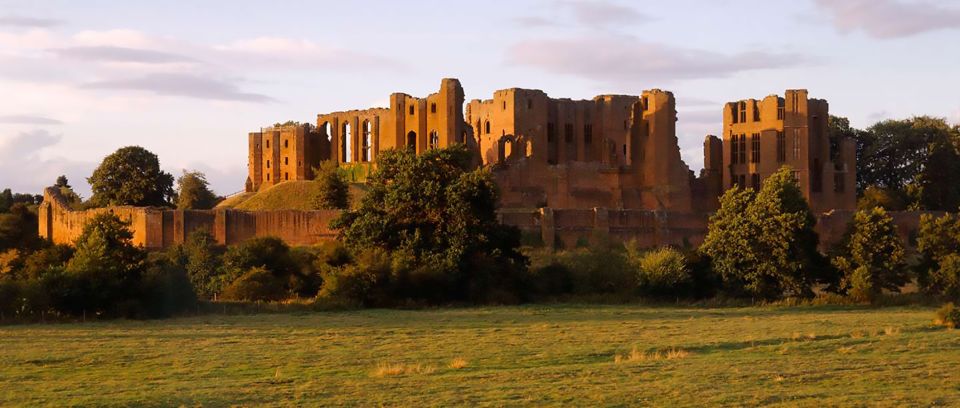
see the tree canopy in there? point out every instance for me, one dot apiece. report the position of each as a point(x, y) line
point(915, 158)
point(438, 214)
point(763, 244)
point(131, 176)
point(193, 192)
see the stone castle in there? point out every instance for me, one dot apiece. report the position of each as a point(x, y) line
point(613, 151)
point(570, 171)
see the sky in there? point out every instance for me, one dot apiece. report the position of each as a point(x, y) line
point(189, 80)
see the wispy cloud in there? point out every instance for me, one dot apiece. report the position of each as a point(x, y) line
point(28, 120)
point(186, 85)
point(600, 13)
point(22, 155)
point(282, 52)
point(626, 59)
point(889, 18)
point(28, 22)
point(120, 54)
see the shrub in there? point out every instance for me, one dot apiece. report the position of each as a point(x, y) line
point(598, 270)
point(334, 192)
point(551, 279)
point(662, 271)
point(165, 288)
point(364, 282)
point(269, 253)
point(949, 315)
point(256, 284)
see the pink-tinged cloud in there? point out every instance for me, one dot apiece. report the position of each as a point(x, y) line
point(626, 59)
point(890, 18)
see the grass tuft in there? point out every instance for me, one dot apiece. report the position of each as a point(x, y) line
point(458, 363)
point(636, 355)
point(390, 369)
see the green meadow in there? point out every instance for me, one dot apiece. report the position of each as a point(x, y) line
point(540, 355)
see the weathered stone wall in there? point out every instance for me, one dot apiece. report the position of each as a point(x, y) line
point(156, 228)
point(159, 228)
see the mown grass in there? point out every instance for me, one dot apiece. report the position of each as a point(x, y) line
point(287, 195)
point(529, 355)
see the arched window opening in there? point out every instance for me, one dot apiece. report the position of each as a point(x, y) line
point(365, 148)
point(434, 139)
point(412, 140)
point(346, 149)
point(325, 130)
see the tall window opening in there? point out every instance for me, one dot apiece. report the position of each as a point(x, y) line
point(755, 181)
point(587, 134)
point(434, 139)
point(743, 112)
point(780, 102)
point(366, 144)
point(412, 140)
point(734, 149)
point(346, 148)
point(755, 148)
point(411, 109)
point(568, 133)
point(486, 127)
point(817, 182)
point(433, 108)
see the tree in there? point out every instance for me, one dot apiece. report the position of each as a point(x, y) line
point(104, 274)
point(18, 229)
point(131, 176)
point(193, 192)
point(914, 157)
point(763, 244)
point(872, 255)
point(202, 259)
point(438, 219)
point(938, 241)
point(334, 192)
point(62, 182)
point(6, 200)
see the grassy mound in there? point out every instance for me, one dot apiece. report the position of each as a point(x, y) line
point(288, 195)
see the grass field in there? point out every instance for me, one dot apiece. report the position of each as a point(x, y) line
point(530, 355)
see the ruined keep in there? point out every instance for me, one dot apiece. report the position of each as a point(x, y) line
point(761, 136)
point(568, 170)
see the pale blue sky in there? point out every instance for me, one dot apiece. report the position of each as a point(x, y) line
point(188, 80)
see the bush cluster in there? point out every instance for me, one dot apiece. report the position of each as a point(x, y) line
point(103, 274)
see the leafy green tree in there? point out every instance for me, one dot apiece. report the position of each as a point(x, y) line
point(938, 241)
point(18, 228)
point(274, 256)
point(872, 255)
point(6, 200)
point(914, 157)
point(131, 176)
point(202, 259)
point(104, 274)
point(438, 215)
point(193, 192)
point(763, 244)
point(334, 191)
point(62, 182)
